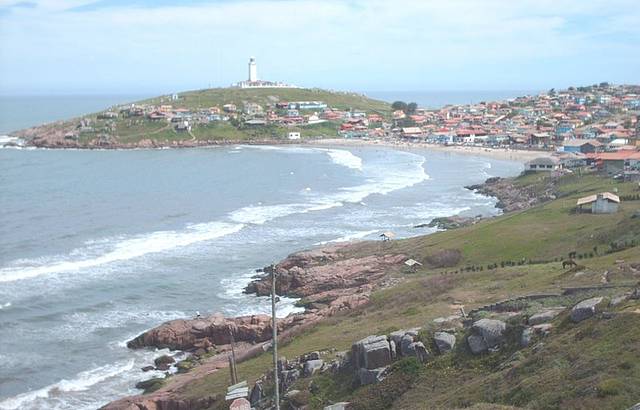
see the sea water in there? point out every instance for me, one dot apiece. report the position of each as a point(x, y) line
point(98, 246)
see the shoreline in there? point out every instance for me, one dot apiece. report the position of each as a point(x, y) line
point(494, 153)
point(505, 154)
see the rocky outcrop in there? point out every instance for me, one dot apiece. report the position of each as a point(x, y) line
point(585, 309)
point(515, 197)
point(325, 272)
point(185, 334)
point(486, 334)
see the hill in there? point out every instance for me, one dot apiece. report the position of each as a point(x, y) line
point(505, 269)
point(206, 117)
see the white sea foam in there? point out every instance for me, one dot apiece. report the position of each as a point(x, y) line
point(119, 249)
point(5, 305)
point(350, 237)
point(344, 158)
point(341, 157)
point(404, 172)
point(244, 305)
point(82, 382)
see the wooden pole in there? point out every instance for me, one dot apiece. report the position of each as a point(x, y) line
point(234, 371)
point(274, 326)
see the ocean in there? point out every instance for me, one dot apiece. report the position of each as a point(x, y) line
point(98, 246)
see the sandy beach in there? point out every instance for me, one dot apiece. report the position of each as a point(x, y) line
point(505, 154)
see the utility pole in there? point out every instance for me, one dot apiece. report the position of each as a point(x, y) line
point(232, 359)
point(274, 326)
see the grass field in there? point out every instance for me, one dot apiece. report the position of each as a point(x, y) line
point(588, 365)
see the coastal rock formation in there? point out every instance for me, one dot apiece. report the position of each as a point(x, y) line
point(322, 270)
point(184, 334)
point(514, 197)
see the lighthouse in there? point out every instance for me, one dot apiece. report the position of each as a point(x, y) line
point(253, 70)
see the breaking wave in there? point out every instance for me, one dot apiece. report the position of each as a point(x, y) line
point(98, 253)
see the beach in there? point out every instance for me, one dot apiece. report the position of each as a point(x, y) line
point(494, 153)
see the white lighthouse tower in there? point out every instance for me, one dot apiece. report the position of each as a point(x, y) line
point(253, 70)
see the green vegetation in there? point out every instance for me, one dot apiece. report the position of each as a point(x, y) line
point(592, 364)
point(114, 128)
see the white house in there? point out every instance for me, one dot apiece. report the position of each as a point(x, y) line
point(293, 135)
point(542, 164)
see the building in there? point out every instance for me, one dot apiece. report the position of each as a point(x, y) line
point(293, 135)
point(546, 164)
point(253, 70)
point(602, 203)
point(582, 146)
point(253, 82)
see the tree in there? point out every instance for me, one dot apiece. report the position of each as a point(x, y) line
point(399, 105)
point(552, 91)
point(412, 107)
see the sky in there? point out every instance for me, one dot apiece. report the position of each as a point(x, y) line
point(159, 46)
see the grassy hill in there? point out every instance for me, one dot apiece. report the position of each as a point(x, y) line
point(592, 364)
point(133, 131)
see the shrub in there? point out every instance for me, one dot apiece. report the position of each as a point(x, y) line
point(609, 387)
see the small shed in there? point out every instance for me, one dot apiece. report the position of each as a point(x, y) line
point(602, 203)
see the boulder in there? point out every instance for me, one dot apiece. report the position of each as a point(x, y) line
point(392, 347)
point(371, 376)
point(543, 329)
point(418, 350)
point(491, 330)
point(288, 378)
point(148, 368)
point(405, 343)
point(635, 407)
point(618, 300)
point(445, 342)
point(372, 352)
point(313, 356)
point(399, 334)
point(477, 344)
point(311, 367)
point(585, 309)
point(545, 316)
point(635, 294)
point(486, 334)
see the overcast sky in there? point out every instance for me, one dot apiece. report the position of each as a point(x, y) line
point(145, 46)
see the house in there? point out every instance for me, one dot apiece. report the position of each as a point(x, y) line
point(412, 132)
point(183, 126)
point(229, 108)
point(293, 135)
point(542, 164)
point(602, 203)
point(616, 162)
point(582, 146)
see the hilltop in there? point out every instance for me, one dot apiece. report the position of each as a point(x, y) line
point(211, 116)
point(489, 320)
